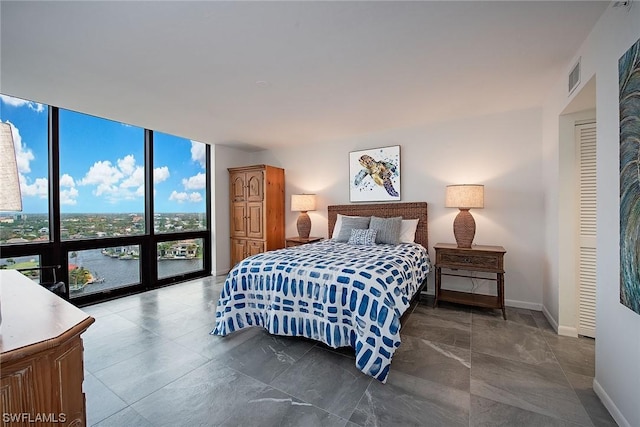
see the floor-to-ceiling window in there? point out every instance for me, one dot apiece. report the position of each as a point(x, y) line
point(179, 200)
point(29, 123)
point(118, 208)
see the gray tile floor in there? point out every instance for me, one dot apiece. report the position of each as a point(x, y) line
point(150, 361)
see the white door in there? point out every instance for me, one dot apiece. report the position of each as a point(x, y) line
point(586, 147)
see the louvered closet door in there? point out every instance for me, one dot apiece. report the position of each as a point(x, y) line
point(586, 144)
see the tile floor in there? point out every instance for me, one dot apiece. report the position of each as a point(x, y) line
point(150, 361)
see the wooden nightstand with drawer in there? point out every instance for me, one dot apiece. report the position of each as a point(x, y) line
point(489, 259)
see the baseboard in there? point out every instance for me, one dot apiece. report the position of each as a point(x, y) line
point(611, 407)
point(568, 331)
point(523, 304)
point(550, 318)
point(221, 272)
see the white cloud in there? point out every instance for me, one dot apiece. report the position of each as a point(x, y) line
point(134, 179)
point(127, 165)
point(198, 153)
point(196, 182)
point(160, 174)
point(107, 189)
point(17, 102)
point(104, 175)
point(178, 197)
point(101, 172)
point(68, 197)
point(123, 181)
point(39, 188)
point(184, 197)
point(24, 155)
point(66, 180)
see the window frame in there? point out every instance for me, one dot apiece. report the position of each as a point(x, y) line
point(55, 251)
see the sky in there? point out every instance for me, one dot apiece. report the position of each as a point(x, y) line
point(102, 163)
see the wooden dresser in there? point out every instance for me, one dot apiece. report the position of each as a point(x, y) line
point(41, 355)
point(257, 210)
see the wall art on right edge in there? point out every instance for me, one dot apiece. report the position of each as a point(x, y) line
point(629, 78)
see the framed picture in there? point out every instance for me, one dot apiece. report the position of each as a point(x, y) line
point(374, 174)
point(629, 83)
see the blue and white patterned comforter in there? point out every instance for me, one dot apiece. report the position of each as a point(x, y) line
point(336, 293)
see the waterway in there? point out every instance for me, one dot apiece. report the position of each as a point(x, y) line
point(113, 273)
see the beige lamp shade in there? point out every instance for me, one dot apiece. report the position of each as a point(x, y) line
point(465, 196)
point(10, 197)
point(303, 202)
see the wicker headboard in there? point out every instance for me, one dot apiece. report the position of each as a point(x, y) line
point(410, 210)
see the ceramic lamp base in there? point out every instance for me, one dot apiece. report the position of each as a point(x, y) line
point(304, 225)
point(464, 228)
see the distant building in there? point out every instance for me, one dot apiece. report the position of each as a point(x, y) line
point(181, 250)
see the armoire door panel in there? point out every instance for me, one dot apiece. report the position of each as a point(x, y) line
point(254, 247)
point(238, 187)
point(255, 221)
point(238, 251)
point(255, 187)
point(239, 219)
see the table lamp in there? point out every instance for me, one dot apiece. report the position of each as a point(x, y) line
point(303, 203)
point(464, 197)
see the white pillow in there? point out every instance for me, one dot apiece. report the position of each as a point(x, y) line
point(408, 230)
point(338, 225)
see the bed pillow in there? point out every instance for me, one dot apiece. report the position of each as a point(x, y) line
point(366, 237)
point(388, 229)
point(348, 224)
point(338, 225)
point(408, 230)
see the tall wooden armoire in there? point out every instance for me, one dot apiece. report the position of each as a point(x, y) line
point(257, 210)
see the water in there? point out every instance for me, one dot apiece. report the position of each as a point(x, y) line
point(116, 272)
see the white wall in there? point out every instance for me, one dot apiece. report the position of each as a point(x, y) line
point(617, 379)
point(223, 157)
point(501, 151)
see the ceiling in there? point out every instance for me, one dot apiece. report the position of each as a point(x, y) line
point(269, 74)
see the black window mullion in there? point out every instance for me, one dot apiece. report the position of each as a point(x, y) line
point(207, 249)
point(149, 256)
point(55, 256)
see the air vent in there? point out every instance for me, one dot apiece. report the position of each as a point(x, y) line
point(622, 5)
point(574, 77)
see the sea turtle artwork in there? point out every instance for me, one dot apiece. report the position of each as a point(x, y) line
point(380, 171)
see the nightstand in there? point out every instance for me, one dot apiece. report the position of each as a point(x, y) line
point(489, 259)
point(297, 241)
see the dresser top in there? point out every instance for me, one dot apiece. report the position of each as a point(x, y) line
point(34, 318)
point(484, 248)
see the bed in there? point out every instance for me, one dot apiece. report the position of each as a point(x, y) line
point(341, 294)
